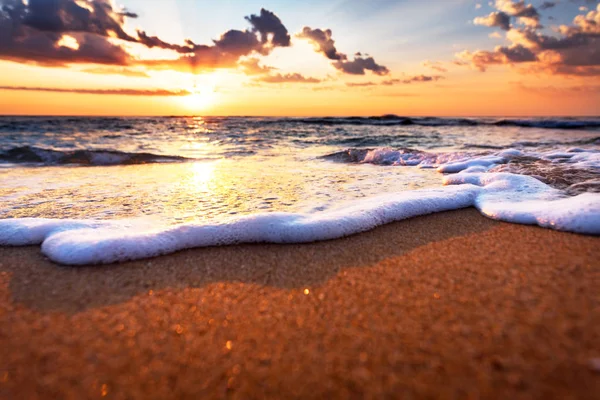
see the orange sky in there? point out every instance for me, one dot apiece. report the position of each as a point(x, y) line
point(455, 90)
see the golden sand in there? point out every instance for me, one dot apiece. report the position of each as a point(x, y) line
point(452, 305)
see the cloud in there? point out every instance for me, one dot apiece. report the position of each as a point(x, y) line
point(396, 81)
point(585, 23)
point(117, 92)
point(497, 18)
point(33, 32)
point(501, 55)
point(252, 66)
point(94, 16)
point(547, 4)
point(237, 43)
point(323, 42)
point(267, 32)
point(412, 79)
point(361, 84)
point(64, 32)
point(434, 65)
point(267, 23)
point(359, 65)
point(154, 41)
point(44, 49)
point(287, 78)
point(526, 13)
point(116, 71)
point(574, 51)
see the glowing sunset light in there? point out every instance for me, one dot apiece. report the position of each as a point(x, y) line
point(352, 58)
point(199, 100)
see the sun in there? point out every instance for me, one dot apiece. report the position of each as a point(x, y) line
point(199, 99)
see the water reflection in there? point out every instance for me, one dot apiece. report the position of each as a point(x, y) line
point(196, 191)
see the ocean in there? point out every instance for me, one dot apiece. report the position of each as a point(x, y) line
point(96, 190)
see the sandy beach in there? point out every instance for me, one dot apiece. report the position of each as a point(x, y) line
point(452, 305)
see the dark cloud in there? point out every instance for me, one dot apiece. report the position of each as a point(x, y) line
point(128, 14)
point(287, 78)
point(238, 43)
point(326, 45)
point(97, 17)
point(154, 41)
point(359, 65)
point(37, 31)
point(547, 4)
point(24, 44)
point(33, 32)
point(501, 55)
point(323, 41)
point(495, 19)
point(526, 14)
point(267, 33)
point(516, 54)
point(267, 23)
point(114, 92)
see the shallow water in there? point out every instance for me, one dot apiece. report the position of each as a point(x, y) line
point(165, 172)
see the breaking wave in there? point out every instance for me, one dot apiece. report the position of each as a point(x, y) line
point(502, 196)
point(502, 186)
point(574, 170)
point(41, 156)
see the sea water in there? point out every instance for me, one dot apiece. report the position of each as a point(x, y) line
point(100, 190)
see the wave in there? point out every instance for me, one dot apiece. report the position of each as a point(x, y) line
point(37, 155)
point(395, 120)
point(574, 170)
point(584, 158)
point(502, 196)
point(485, 181)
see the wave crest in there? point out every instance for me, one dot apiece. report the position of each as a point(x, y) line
point(37, 155)
point(395, 120)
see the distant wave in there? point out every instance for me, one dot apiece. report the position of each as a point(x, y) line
point(37, 155)
point(395, 120)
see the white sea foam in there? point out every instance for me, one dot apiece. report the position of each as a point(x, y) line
point(453, 162)
point(502, 196)
point(498, 195)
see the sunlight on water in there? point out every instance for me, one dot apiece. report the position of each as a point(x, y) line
point(188, 169)
point(193, 191)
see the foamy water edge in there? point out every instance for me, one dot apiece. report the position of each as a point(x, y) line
point(499, 195)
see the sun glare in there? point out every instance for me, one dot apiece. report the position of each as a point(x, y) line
point(199, 98)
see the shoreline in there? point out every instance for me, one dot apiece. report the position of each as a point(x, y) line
point(445, 305)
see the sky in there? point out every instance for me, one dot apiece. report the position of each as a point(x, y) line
point(291, 58)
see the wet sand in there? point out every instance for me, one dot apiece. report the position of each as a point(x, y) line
point(452, 305)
